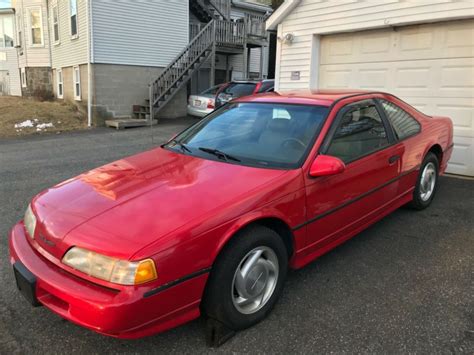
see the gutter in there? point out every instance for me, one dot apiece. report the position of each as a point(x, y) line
point(89, 59)
point(279, 15)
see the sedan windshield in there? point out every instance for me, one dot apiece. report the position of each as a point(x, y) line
point(255, 134)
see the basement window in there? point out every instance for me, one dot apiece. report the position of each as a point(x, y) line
point(59, 79)
point(77, 83)
point(23, 77)
point(73, 17)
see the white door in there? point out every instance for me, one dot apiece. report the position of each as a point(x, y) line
point(430, 66)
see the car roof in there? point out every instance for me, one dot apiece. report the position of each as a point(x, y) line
point(310, 97)
point(251, 81)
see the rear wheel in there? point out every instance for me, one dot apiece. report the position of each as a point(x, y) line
point(427, 182)
point(247, 278)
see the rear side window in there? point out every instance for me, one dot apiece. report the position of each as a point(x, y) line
point(239, 89)
point(360, 132)
point(266, 86)
point(403, 123)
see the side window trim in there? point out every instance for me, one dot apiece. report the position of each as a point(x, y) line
point(392, 137)
point(335, 124)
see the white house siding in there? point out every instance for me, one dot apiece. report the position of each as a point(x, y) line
point(69, 51)
point(317, 17)
point(9, 63)
point(32, 56)
point(144, 33)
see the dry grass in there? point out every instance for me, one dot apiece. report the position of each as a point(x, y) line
point(15, 110)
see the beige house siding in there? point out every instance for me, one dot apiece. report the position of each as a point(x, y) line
point(29, 56)
point(68, 51)
point(68, 85)
point(315, 17)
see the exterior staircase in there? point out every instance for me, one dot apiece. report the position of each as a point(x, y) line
point(219, 33)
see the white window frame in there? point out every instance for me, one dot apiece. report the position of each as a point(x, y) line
point(23, 77)
point(77, 20)
point(59, 83)
point(55, 40)
point(30, 37)
point(19, 32)
point(76, 79)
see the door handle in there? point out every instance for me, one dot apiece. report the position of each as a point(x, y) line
point(393, 159)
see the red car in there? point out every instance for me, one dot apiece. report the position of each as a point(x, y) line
point(210, 222)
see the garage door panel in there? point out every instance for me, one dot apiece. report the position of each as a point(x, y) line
point(462, 159)
point(430, 66)
point(452, 78)
point(417, 42)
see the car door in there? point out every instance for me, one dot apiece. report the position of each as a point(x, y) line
point(342, 204)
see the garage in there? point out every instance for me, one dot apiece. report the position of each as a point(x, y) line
point(431, 66)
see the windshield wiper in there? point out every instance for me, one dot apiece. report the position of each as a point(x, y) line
point(179, 144)
point(219, 154)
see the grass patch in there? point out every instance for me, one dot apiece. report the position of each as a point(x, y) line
point(25, 116)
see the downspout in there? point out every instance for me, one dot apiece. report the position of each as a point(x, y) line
point(89, 60)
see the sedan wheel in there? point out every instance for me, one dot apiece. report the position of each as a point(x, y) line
point(427, 182)
point(247, 278)
point(255, 280)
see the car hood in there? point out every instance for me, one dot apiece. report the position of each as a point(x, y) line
point(123, 206)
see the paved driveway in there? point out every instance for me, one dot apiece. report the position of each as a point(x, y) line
point(404, 285)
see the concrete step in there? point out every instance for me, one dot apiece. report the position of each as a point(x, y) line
point(120, 123)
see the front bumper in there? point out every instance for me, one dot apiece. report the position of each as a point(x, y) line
point(125, 314)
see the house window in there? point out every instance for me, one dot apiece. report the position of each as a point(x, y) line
point(36, 27)
point(19, 26)
point(23, 77)
point(77, 83)
point(59, 79)
point(55, 19)
point(73, 14)
point(6, 32)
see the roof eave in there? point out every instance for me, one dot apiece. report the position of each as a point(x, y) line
point(279, 15)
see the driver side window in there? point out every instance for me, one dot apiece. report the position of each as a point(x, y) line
point(360, 132)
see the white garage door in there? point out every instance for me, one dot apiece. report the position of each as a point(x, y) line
point(429, 66)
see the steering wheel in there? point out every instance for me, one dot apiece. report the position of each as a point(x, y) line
point(296, 140)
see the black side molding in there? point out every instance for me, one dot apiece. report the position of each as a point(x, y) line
point(176, 282)
point(355, 199)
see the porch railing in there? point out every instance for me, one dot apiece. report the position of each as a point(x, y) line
point(255, 25)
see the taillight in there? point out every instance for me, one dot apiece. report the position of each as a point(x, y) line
point(211, 104)
point(257, 87)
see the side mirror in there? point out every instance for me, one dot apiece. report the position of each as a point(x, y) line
point(325, 165)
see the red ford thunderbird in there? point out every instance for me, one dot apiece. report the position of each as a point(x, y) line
point(210, 222)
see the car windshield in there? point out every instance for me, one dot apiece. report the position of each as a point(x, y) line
point(254, 134)
point(211, 91)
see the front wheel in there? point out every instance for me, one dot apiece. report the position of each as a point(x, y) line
point(427, 182)
point(247, 278)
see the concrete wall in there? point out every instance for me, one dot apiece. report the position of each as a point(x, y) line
point(37, 79)
point(118, 87)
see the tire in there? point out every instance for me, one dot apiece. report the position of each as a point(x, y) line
point(426, 187)
point(222, 299)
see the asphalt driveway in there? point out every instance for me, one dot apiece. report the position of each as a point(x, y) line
point(404, 285)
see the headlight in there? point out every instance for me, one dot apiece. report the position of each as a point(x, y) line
point(110, 269)
point(30, 222)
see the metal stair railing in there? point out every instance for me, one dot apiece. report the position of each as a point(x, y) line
point(175, 71)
